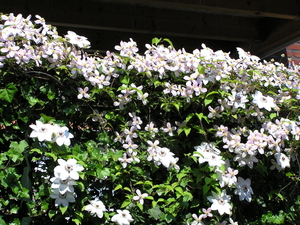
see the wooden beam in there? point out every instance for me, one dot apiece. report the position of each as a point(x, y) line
point(284, 35)
point(283, 9)
point(106, 15)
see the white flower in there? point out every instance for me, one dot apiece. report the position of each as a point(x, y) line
point(173, 164)
point(263, 102)
point(237, 100)
point(243, 189)
point(63, 185)
point(62, 135)
point(140, 197)
point(96, 207)
point(42, 131)
point(68, 168)
point(75, 39)
point(164, 156)
point(227, 177)
point(62, 199)
point(215, 160)
point(197, 220)
point(220, 203)
point(122, 218)
point(282, 160)
point(208, 153)
point(125, 160)
point(232, 222)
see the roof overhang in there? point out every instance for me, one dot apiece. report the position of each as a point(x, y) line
point(261, 27)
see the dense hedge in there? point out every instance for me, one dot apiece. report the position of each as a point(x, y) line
point(163, 137)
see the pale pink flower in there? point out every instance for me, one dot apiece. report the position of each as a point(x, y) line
point(83, 93)
point(140, 197)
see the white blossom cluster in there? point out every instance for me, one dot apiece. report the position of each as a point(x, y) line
point(52, 133)
point(207, 152)
point(159, 155)
point(65, 176)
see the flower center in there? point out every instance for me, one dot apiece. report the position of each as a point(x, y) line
point(245, 188)
point(162, 153)
point(64, 181)
point(43, 129)
point(221, 201)
point(263, 99)
point(60, 133)
point(69, 167)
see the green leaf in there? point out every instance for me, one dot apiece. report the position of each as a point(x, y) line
point(51, 213)
point(63, 209)
point(206, 188)
point(52, 155)
point(155, 212)
point(16, 150)
point(77, 221)
point(25, 221)
point(201, 69)
point(208, 180)
point(7, 93)
point(155, 41)
point(208, 100)
point(169, 42)
point(273, 115)
point(126, 203)
point(187, 196)
point(127, 189)
point(119, 186)
point(125, 80)
point(140, 206)
point(187, 130)
point(189, 117)
point(179, 191)
point(102, 172)
point(14, 210)
point(176, 105)
point(25, 180)
point(154, 203)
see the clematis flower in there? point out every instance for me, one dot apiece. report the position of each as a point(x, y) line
point(207, 152)
point(62, 199)
point(243, 189)
point(62, 135)
point(263, 102)
point(197, 220)
point(68, 168)
point(122, 218)
point(237, 100)
point(83, 93)
point(140, 197)
point(125, 160)
point(96, 207)
point(164, 156)
point(206, 213)
point(169, 129)
point(220, 202)
point(42, 131)
point(282, 160)
point(63, 184)
point(75, 39)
